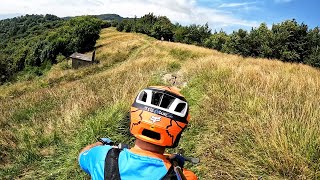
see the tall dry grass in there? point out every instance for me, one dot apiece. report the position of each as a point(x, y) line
point(260, 118)
point(251, 118)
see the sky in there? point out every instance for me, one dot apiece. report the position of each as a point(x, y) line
point(228, 15)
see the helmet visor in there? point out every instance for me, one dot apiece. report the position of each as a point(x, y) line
point(163, 101)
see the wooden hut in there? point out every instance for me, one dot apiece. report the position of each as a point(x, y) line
point(79, 60)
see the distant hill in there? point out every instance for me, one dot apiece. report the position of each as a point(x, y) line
point(106, 17)
point(110, 17)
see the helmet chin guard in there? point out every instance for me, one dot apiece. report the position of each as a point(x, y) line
point(159, 115)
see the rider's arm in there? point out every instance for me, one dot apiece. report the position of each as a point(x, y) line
point(90, 146)
point(90, 155)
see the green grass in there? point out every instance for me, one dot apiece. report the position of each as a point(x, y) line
point(174, 66)
point(109, 122)
point(182, 54)
point(250, 118)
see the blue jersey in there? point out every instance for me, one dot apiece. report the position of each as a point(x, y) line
point(134, 164)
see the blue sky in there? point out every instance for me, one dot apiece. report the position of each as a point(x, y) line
point(228, 15)
point(270, 11)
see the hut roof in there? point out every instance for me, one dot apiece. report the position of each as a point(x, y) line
point(82, 57)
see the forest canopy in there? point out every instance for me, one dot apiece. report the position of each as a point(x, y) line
point(30, 44)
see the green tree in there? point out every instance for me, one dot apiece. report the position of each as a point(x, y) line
point(179, 33)
point(238, 43)
point(145, 23)
point(216, 40)
point(162, 28)
point(86, 31)
point(120, 26)
point(129, 26)
point(114, 23)
point(197, 34)
point(260, 40)
point(313, 57)
point(4, 68)
point(290, 41)
point(192, 34)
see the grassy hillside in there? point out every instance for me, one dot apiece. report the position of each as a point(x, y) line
point(251, 118)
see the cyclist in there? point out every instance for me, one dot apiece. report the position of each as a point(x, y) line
point(158, 117)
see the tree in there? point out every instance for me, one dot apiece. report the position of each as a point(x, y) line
point(179, 33)
point(260, 40)
point(238, 43)
point(4, 69)
point(145, 23)
point(216, 40)
point(86, 31)
point(129, 26)
point(290, 41)
point(114, 23)
point(204, 32)
point(120, 26)
point(162, 28)
point(192, 34)
point(313, 57)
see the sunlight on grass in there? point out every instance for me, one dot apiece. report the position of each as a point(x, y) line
point(251, 118)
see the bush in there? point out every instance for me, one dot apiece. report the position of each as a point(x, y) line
point(60, 58)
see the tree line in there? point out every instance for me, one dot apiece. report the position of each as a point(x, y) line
point(288, 41)
point(32, 43)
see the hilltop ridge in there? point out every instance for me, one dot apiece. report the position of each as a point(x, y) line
point(250, 117)
point(107, 17)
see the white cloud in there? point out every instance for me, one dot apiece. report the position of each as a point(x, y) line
point(232, 5)
point(182, 11)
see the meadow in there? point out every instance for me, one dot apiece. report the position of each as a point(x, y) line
point(250, 118)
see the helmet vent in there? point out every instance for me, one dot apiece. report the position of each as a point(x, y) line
point(180, 107)
point(156, 98)
point(151, 134)
point(143, 96)
point(166, 101)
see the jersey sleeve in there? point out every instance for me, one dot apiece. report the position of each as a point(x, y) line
point(90, 158)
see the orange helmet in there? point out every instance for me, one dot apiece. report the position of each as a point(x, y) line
point(159, 115)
